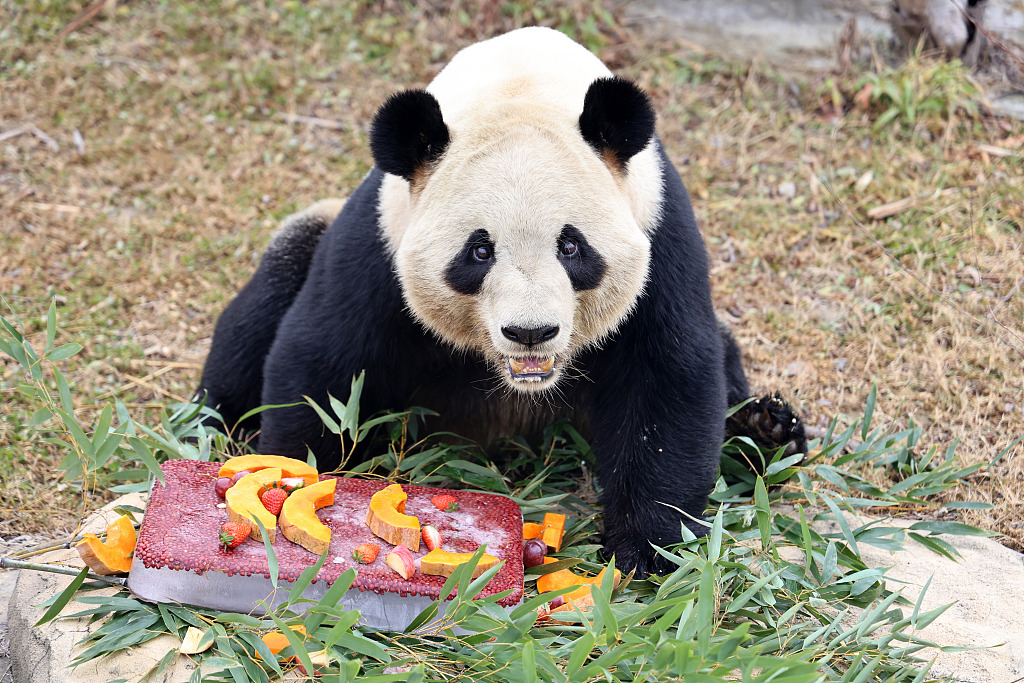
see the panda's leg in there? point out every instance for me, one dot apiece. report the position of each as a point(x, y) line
point(232, 379)
point(656, 426)
point(348, 318)
point(769, 421)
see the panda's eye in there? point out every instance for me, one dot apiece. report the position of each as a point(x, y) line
point(568, 248)
point(482, 252)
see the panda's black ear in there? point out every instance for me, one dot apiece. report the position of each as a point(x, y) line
point(617, 118)
point(407, 133)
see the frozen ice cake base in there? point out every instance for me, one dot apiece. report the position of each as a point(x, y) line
point(178, 557)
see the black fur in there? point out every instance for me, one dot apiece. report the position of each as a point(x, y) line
point(232, 380)
point(617, 118)
point(736, 379)
point(771, 424)
point(586, 266)
point(653, 396)
point(465, 273)
point(407, 133)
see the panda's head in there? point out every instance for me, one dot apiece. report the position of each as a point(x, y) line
point(518, 233)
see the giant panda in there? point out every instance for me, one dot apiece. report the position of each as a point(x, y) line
point(522, 251)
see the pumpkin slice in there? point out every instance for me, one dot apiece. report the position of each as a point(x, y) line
point(244, 504)
point(290, 467)
point(277, 641)
point(556, 580)
point(584, 596)
point(553, 530)
point(112, 556)
point(564, 578)
point(442, 563)
point(387, 519)
point(298, 519)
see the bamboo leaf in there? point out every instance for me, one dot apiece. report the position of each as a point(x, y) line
point(146, 456)
point(63, 352)
point(271, 556)
point(763, 511)
point(51, 325)
point(306, 578)
point(63, 598)
point(328, 421)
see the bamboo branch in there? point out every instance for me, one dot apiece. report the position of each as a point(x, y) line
point(10, 563)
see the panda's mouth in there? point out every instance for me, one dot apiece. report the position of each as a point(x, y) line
point(530, 368)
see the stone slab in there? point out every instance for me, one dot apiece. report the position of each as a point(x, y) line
point(985, 585)
point(43, 653)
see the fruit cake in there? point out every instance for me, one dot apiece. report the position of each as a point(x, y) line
point(179, 557)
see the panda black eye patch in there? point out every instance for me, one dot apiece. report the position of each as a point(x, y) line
point(581, 261)
point(466, 272)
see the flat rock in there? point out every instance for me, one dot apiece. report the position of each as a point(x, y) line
point(43, 653)
point(985, 585)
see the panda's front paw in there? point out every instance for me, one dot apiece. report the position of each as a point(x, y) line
point(638, 554)
point(771, 423)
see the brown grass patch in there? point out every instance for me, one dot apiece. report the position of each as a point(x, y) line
point(191, 155)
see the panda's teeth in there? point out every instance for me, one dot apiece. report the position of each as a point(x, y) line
point(530, 366)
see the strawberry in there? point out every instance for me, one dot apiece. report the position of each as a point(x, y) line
point(445, 503)
point(273, 499)
point(366, 553)
point(233, 533)
point(431, 537)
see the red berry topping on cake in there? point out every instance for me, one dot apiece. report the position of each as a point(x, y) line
point(273, 499)
point(431, 537)
point(365, 553)
point(233, 533)
point(445, 503)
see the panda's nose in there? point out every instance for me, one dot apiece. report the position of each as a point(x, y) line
point(530, 336)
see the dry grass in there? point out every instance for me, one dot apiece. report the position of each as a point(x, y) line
point(190, 161)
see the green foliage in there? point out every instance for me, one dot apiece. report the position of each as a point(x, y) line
point(777, 589)
point(919, 89)
point(112, 447)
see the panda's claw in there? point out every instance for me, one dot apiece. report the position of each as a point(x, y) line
point(771, 423)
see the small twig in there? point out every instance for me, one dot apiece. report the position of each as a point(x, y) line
point(87, 15)
point(168, 363)
point(313, 121)
point(13, 133)
point(901, 205)
point(998, 151)
point(46, 547)
point(133, 380)
point(66, 208)
point(10, 563)
point(50, 142)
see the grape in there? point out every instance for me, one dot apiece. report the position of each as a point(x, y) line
point(556, 602)
point(239, 475)
point(534, 552)
point(222, 486)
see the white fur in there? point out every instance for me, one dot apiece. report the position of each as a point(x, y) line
point(518, 167)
